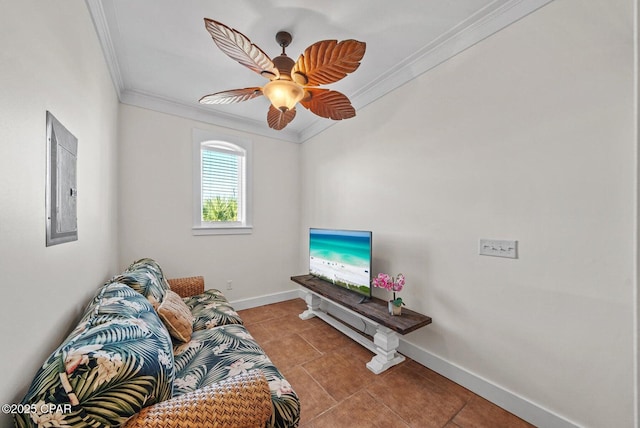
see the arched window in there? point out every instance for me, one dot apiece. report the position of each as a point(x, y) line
point(221, 184)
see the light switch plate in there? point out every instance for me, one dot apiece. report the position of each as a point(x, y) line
point(498, 248)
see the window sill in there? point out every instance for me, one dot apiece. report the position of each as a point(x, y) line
point(222, 230)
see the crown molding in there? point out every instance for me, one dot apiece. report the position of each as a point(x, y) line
point(177, 108)
point(99, 19)
point(491, 19)
point(485, 23)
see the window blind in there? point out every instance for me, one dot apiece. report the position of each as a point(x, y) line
point(220, 175)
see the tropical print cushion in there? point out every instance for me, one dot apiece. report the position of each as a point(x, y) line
point(211, 309)
point(146, 277)
point(118, 360)
point(221, 352)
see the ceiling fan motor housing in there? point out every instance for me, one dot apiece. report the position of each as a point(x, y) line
point(284, 64)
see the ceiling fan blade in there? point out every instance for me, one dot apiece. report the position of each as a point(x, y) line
point(328, 61)
point(327, 103)
point(277, 119)
point(232, 96)
point(239, 47)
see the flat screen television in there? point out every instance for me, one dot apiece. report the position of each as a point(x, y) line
point(341, 257)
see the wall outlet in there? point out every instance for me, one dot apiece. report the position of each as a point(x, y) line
point(498, 248)
point(229, 284)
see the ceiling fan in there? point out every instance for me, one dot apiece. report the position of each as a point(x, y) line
point(290, 82)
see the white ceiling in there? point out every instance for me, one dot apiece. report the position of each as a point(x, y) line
point(161, 57)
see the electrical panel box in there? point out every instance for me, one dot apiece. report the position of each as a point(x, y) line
point(62, 190)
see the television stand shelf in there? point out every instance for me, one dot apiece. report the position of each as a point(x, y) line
point(374, 311)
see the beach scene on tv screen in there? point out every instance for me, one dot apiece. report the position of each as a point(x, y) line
point(342, 258)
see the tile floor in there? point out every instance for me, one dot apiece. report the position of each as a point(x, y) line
point(327, 371)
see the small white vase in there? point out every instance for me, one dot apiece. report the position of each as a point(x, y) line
point(394, 310)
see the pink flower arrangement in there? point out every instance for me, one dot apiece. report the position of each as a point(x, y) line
point(390, 283)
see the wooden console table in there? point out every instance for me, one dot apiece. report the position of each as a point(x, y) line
point(374, 311)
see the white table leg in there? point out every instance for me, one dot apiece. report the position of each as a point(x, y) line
point(386, 342)
point(313, 305)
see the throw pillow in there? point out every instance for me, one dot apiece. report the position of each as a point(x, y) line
point(176, 316)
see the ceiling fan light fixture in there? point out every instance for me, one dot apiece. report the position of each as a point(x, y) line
point(292, 82)
point(283, 94)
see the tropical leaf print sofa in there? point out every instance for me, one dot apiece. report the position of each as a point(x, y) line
point(121, 366)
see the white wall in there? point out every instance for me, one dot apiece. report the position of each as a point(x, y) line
point(50, 60)
point(155, 172)
point(529, 135)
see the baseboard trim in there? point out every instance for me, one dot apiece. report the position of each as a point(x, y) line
point(504, 398)
point(266, 299)
point(521, 407)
